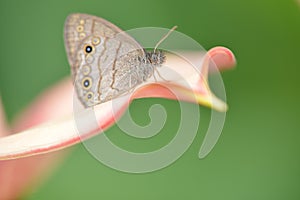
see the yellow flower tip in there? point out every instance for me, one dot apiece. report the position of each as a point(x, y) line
point(211, 101)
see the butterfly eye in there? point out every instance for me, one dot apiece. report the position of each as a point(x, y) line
point(88, 49)
point(96, 40)
point(82, 35)
point(79, 28)
point(81, 21)
point(87, 83)
point(89, 95)
point(86, 70)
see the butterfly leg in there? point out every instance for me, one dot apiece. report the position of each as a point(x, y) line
point(155, 70)
point(154, 77)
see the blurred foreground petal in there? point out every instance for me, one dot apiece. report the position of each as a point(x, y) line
point(17, 175)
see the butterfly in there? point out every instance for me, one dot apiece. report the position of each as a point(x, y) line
point(105, 61)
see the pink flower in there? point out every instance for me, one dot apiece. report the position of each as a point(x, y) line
point(47, 125)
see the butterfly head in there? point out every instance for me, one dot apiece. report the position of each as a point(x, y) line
point(156, 58)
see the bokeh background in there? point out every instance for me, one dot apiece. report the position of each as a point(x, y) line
point(257, 156)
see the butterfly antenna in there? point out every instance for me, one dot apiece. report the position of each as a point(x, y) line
point(164, 37)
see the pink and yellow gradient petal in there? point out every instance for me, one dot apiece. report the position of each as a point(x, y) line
point(56, 104)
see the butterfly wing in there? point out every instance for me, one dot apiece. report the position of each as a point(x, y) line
point(105, 61)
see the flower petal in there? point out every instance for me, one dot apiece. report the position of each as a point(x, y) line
point(16, 175)
point(187, 78)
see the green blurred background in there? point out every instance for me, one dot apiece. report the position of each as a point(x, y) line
point(257, 156)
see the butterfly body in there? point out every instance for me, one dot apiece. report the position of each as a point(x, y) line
point(105, 61)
